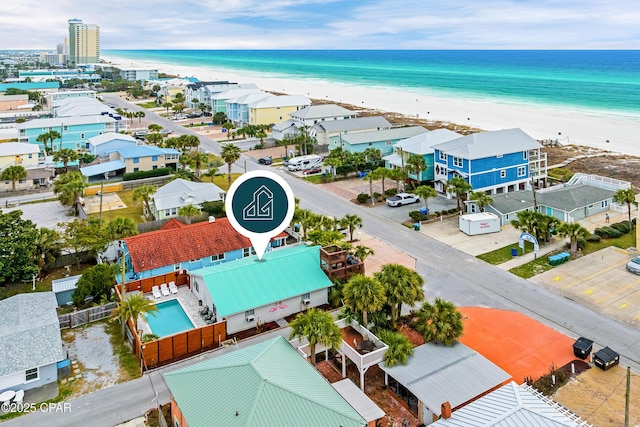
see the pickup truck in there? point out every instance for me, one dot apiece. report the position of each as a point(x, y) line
point(402, 199)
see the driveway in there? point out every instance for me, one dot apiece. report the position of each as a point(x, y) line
point(599, 281)
point(401, 213)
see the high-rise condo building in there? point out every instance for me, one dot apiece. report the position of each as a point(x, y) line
point(84, 43)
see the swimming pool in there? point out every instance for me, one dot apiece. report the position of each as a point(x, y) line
point(169, 319)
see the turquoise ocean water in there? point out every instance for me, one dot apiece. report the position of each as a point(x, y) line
point(604, 81)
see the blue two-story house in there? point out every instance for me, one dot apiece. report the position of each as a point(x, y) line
point(74, 131)
point(495, 162)
point(177, 247)
point(419, 145)
point(383, 139)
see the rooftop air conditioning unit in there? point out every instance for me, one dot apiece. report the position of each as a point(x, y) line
point(306, 301)
point(250, 318)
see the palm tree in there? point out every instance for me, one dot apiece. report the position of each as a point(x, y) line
point(458, 186)
point(50, 135)
point(261, 135)
point(230, 154)
point(121, 227)
point(14, 174)
point(351, 222)
point(440, 322)
point(364, 294)
point(189, 212)
point(144, 193)
point(481, 198)
point(362, 252)
point(133, 307)
point(197, 160)
point(48, 244)
point(69, 187)
point(425, 192)
point(416, 165)
point(229, 126)
point(154, 127)
point(527, 222)
point(140, 115)
point(574, 231)
point(400, 348)
point(627, 197)
point(65, 155)
point(402, 286)
point(398, 175)
point(317, 327)
point(381, 173)
point(372, 155)
point(155, 139)
point(305, 217)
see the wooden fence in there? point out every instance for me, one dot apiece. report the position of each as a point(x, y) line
point(145, 285)
point(82, 317)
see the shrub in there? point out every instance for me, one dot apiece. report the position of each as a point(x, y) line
point(417, 216)
point(258, 147)
point(345, 170)
point(376, 195)
point(149, 337)
point(146, 174)
point(392, 192)
point(437, 213)
point(607, 232)
point(450, 211)
point(214, 208)
point(623, 226)
point(593, 238)
point(362, 198)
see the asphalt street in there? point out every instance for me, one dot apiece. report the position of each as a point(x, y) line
point(448, 274)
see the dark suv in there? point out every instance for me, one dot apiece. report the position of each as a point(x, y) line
point(265, 160)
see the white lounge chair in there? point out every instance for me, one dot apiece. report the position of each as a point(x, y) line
point(173, 288)
point(156, 291)
point(164, 289)
point(19, 397)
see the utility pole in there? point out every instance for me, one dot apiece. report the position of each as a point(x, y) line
point(101, 188)
point(626, 398)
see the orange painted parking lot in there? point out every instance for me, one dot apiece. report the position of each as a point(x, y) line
point(516, 343)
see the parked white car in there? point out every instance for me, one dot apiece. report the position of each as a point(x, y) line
point(402, 199)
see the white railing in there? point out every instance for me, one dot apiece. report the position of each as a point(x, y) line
point(599, 181)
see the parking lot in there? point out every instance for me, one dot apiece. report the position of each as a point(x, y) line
point(599, 281)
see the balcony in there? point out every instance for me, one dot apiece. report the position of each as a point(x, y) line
point(338, 264)
point(359, 345)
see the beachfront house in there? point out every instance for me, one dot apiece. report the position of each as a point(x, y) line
point(30, 341)
point(583, 196)
point(277, 387)
point(74, 131)
point(419, 145)
point(221, 102)
point(328, 132)
point(237, 108)
point(511, 405)
point(247, 293)
point(496, 162)
point(381, 139)
point(169, 198)
point(197, 93)
point(309, 116)
point(275, 109)
point(178, 247)
point(133, 158)
point(75, 107)
point(139, 74)
point(102, 145)
point(438, 379)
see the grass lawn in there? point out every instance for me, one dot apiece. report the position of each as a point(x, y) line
point(222, 180)
point(314, 179)
point(541, 264)
point(11, 289)
point(133, 209)
point(504, 254)
point(150, 104)
point(128, 361)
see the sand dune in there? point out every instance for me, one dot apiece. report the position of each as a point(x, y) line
point(618, 133)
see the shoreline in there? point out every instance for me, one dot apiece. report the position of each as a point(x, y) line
point(570, 127)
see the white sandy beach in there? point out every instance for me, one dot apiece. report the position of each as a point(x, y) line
point(615, 133)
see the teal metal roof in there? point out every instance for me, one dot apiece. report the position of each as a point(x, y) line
point(101, 168)
point(245, 284)
point(29, 85)
point(267, 384)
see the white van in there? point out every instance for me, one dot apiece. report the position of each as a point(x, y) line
point(304, 162)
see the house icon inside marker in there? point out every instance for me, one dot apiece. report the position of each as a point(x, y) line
point(261, 207)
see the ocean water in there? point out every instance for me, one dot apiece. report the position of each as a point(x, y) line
point(604, 81)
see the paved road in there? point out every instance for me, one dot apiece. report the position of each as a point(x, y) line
point(448, 273)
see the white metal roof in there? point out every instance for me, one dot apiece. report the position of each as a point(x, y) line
point(322, 111)
point(110, 136)
point(281, 101)
point(487, 144)
point(512, 406)
point(423, 143)
point(358, 123)
point(65, 284)
point(437, 373)
point(358, 400)
point(180, 192)
point(64, 121)
point(383, 135)
point(17, 148)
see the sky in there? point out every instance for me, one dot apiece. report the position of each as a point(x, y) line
point(328, 24)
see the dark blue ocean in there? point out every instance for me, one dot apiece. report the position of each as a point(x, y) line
point(605, 81)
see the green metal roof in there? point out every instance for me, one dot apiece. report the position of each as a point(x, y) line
point(245, 284)
point(267, 384)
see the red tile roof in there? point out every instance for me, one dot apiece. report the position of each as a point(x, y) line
point(171, 246)
point(172, 223)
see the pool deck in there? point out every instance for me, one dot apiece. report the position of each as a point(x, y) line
point(187, 300)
